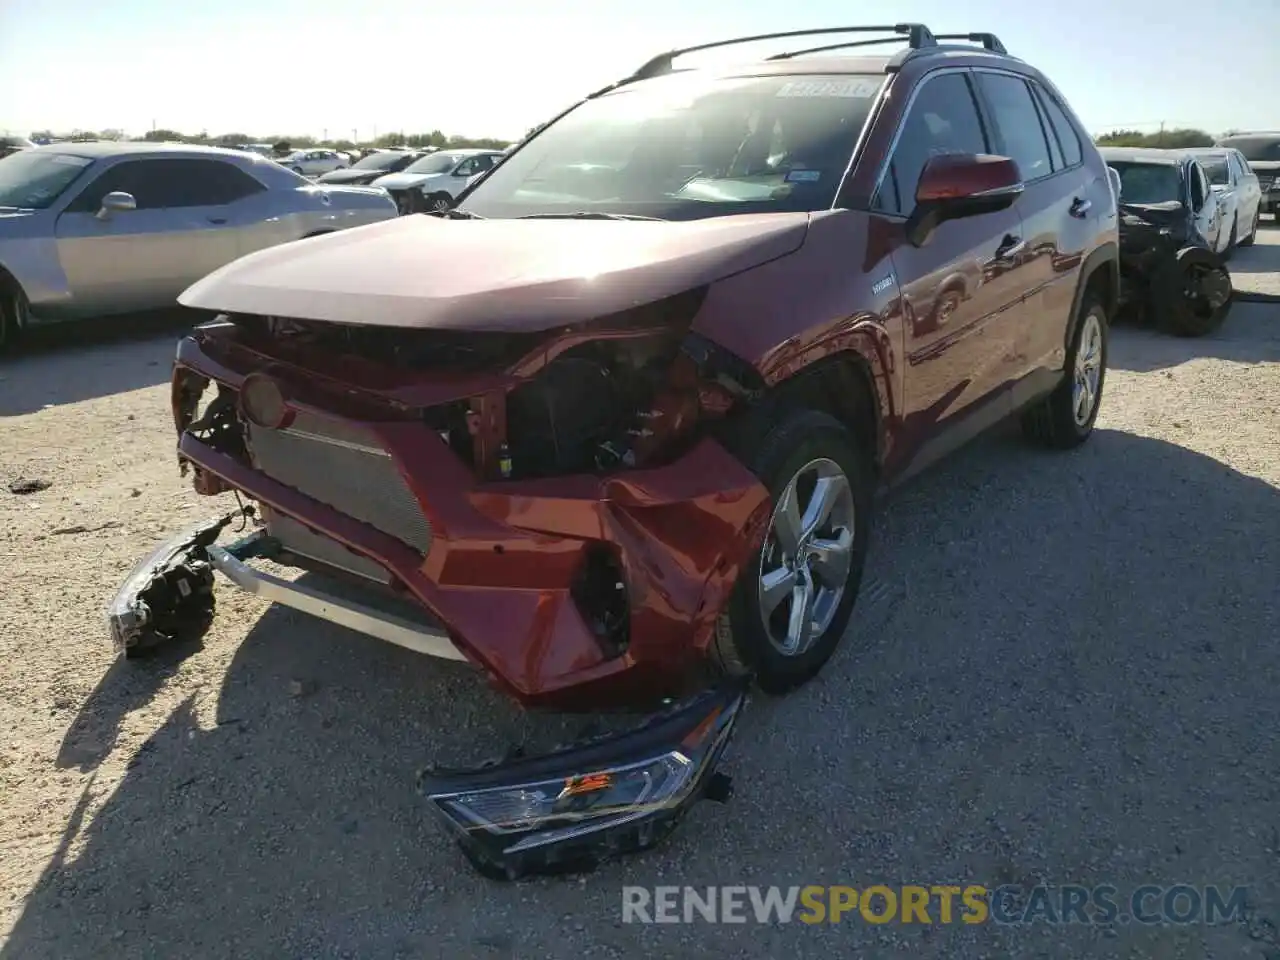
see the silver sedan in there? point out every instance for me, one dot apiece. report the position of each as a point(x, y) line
point(92, 229)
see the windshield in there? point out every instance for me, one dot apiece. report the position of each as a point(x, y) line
point(1216, 169)
point(33, 179)
point(686, 148)
point(1148, 182)
point(379, 161)
point(434, 163)
point(1255, 148)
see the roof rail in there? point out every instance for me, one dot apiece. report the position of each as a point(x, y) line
point(917, 34)
point(834, 46)
point(989, 41)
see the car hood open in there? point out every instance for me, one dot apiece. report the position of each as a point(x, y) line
point(517, 275)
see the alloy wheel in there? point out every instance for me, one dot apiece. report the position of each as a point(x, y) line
point(1088, 370)
point(804, 566)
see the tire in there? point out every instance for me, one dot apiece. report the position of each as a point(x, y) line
point(1253, 233)
point(793, 449)
point(298, 171)
point(1189, 314)
point(439, 203)
point(14, 312)
point(1059, 421)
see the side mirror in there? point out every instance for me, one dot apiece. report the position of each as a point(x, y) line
point(958, 185)
point(1114, 176)
point(117, 201)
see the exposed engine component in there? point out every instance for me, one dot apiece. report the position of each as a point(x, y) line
point(589, 409)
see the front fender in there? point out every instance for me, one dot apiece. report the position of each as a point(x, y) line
point(31, 260)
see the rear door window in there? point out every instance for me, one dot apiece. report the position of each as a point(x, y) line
point(1019, 133)
point(1063, 128)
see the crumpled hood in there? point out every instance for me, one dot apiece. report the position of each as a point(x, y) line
point(515, 275)
point(405, 181)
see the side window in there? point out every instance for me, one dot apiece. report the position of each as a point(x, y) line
point(1019, 133)
point(466, 168)
point(1055, 150)
point(1244, 165)
point(1199, 186)
point(160, 184)
point(943, 119)
point(1067, 137)
point(483, 163)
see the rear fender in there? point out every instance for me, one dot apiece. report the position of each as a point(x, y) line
point(1106, 259)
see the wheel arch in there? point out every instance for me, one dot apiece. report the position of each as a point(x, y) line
point(844, 385)
point(1099, 274)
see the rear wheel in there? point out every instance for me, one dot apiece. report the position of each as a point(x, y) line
point(1065, 418)
point(1253, 231)
point(793, 599)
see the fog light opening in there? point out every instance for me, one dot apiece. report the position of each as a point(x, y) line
point(600, 591)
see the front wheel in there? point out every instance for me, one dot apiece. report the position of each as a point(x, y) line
point(1065, 418)
point(793, 599)
point(14, 311)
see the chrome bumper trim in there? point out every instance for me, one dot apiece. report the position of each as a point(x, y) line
point(354, 616)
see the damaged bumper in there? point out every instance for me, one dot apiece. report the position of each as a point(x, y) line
point(569, 591)
point(572, 809)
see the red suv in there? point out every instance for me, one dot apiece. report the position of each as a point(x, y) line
point(614, 423)
point(619, 415)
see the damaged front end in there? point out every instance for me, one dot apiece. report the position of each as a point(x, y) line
point(553, 507)
point(1168, 274)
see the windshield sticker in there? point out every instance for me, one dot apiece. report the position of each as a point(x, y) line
point(70, 161)
point(850, 87)
point(803, 176)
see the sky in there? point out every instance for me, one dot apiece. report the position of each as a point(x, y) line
point(497, 67)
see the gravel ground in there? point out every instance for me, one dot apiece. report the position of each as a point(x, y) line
point(1065, 671)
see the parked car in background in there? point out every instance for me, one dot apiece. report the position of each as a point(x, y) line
point(372, 166)
point(1238, 192)
point(101, 228)
point(1170, 230)
point(433, 182)
point(1262, 151)
point(616, 421)
point(313, 163)
point(11, 144)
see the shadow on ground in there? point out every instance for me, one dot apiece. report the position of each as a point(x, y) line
point(1250, 334)
point(71, 362)
point(1076, 683)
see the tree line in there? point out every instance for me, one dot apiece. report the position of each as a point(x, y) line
point(1179, 139)
point(435, 138)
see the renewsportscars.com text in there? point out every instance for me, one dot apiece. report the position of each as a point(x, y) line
point(1105, 904)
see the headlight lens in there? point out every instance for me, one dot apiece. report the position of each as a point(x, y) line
point(585, 804)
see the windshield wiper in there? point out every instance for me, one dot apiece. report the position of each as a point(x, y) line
point(589, 215)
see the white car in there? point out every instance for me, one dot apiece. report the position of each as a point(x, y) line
point(435, 181)
point(312, 163)
point(1238, 193)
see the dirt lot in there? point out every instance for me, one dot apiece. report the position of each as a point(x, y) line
point(1065, 670)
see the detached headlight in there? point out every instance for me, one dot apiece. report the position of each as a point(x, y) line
point(572, 809)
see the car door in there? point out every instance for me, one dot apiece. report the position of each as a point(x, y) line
point(959, 290)
point(1206, 211)
point(143, 258)
point(1059, 207)
point(1248, 191)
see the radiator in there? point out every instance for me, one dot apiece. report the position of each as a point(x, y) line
point(346, 468)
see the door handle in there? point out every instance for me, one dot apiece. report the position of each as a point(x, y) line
point(218, 220)
point(1080, 207)
point(1010, 247)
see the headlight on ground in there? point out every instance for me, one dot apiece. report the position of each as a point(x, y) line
point(571, 809)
